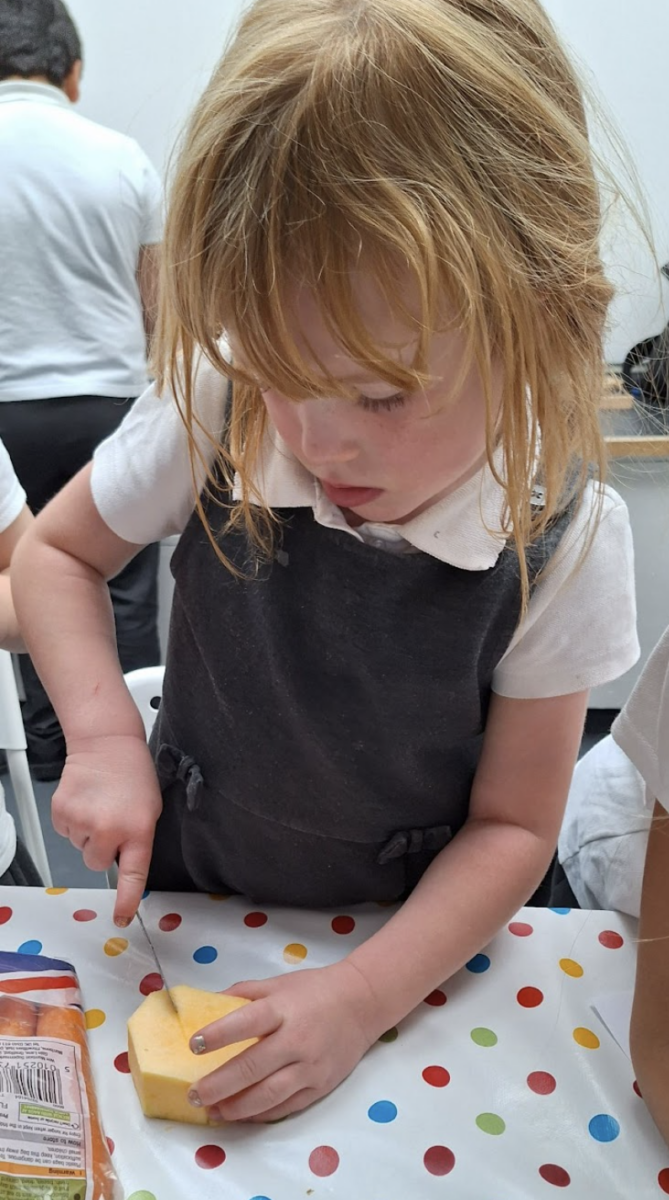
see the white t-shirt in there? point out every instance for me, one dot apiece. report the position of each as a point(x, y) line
point(580, 627)
point(76, 203)
point(12, 500)
point(604, 836)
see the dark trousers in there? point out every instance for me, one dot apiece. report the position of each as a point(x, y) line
point(48, 442)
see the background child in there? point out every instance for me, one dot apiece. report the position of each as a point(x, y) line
point(16, 866)
point(389, 595)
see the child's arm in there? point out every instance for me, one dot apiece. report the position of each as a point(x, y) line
point(649, 1032)
point(108, 799)
point(317, 1024)
point(10, 637)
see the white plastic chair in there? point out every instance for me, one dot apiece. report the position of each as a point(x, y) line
point(146, 688)
point(13, 741)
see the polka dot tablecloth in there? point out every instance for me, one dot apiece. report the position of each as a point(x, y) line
point(502, 1085)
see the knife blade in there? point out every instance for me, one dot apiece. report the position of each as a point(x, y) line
point(156, 960)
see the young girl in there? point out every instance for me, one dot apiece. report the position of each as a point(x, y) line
point(397, 584)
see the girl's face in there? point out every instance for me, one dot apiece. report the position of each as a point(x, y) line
point(388, 456)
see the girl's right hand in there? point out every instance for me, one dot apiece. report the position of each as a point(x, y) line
point(107, 803)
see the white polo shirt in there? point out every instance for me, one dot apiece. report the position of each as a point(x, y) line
point(580, 627)
point(76, 203)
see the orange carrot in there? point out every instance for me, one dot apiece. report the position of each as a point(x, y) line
point(18, 1018)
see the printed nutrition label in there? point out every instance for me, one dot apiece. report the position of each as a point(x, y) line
point(43, 1115)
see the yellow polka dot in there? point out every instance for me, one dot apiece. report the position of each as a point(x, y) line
point(95, 1017)
point(295, 953)
point(115, 946)
point(586, 1038)
point(56, 891)
point(217, 897)
point(571, 968)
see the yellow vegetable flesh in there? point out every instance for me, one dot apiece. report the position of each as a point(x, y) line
point(162, 1065)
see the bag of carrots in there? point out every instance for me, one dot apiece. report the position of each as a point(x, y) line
point(51, 1142)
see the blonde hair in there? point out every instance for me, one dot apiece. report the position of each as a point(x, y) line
point(447, 137)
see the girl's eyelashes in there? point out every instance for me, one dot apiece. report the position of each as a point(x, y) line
point(385, 404)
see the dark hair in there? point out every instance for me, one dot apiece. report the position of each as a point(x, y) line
point(37, 37)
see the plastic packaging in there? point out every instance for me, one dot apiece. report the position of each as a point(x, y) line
point(51, 1142)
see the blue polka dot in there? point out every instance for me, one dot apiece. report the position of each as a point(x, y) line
point(259, 1197)
point(561, 912)
point(145, 894)
point(383, 1112)
point(604, 1128)
point(206, 954)
point(478, 964)
point(30, 948)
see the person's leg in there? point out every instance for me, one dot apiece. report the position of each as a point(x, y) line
point(22, 871)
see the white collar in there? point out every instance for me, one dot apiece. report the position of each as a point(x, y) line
point(463, 529)
point(29, 89)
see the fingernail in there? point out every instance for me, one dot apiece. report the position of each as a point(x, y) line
point(197, 1044)
point(194, 1099)
point(121, 922)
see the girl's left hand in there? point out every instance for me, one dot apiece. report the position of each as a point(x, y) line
point(315, 1026)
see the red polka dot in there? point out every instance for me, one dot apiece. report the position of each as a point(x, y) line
point(343, 924)
point(323, 1161)
point(611, 940)
point(663, 1180)
point(436, 998)
point(439, 1160)
point(541, 1083)
point(530, 997)
point(209, 1157)
point(121, 1063)
point(170, 922)
point(84, 914)
point(436, 1076)
point(555, 1175)
point(110, 1145)
point(637, 1089)
point(255, 919)
point(151, 983)
point(520, 929)
point(6, 914)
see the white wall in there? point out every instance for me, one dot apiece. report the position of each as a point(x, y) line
point(147, 61)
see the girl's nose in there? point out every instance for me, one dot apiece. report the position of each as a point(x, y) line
point(327, 429)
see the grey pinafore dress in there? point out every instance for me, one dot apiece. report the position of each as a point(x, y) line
point(321, 722)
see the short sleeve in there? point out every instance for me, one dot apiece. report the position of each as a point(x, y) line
point(141, 481)
point(12, 495)
point(642, 728)
point(151, 231)
point(579, 630)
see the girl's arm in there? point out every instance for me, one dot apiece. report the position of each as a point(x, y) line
point(649, 1032)
point(317, 1024)
point(107, 801)
point(10, 637)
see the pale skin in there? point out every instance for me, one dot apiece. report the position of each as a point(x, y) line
point(649, 1033)
point(10, 636)
point(315, 1025)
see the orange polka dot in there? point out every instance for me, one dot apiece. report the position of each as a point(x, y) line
point(56, 891)
point(115, 946)
point(295, 953)
point(217, 897)
point(586, 1038)
point(95, 1017)
point(571, 968)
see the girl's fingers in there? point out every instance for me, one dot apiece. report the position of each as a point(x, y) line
point(255, 1020)
point(277, 1090)
point(245, 1070)
point(294, 1105)
point(251, 989)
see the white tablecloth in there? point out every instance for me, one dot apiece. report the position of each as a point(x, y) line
point(504, 1086)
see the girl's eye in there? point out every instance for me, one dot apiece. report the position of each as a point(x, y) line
point(371, 404)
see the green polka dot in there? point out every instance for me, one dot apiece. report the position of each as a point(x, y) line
point(490, 1123)
point(484, 1037)
point(142, 1196)
point(391, 1035)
